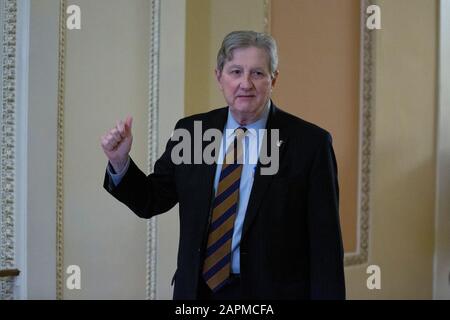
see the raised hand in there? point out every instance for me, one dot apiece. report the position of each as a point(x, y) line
point(117, 143)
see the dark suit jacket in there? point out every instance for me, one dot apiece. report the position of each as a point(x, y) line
point(291, 246)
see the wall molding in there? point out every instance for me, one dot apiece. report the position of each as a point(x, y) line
point(8, 144)
point(367, 70)
point(21, 190)
point(153, 114)
point(60, 154)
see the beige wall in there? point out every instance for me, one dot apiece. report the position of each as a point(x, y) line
point(403, 162)
point(42, 120)
point(106, 80)
point(442, 223)
point(171, 109)
point(319, 82)
point(207, 22)
point(198, 38)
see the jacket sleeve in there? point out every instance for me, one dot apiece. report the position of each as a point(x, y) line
point(326, 249)
point(148, 195)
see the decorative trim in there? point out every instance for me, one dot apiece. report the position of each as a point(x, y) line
point(366, 106)
point(8, 144)
point(267, 15)
point(22, 106)
point(153, 106)
point(60, 154)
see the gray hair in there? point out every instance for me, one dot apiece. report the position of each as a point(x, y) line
point(245, 39)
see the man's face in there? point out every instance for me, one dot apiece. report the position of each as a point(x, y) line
point(246, 82)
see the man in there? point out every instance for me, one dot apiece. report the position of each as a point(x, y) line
point(243, 234)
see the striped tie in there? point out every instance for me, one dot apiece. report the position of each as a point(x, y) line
point(217, 264)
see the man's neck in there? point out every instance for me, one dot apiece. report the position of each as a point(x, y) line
point(247, 119)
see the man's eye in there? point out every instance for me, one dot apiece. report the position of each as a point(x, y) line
point(258, 74)
point(235, 71)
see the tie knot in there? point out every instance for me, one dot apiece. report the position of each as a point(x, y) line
point(240, 132)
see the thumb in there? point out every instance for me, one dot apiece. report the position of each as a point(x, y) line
point(128, 125)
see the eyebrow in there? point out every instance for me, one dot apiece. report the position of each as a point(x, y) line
point(234, 66)
point(240, 67)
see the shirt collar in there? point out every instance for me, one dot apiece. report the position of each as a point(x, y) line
point(232, 124)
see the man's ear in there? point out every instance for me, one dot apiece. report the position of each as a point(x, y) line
point(218, 74)
point(275, 77)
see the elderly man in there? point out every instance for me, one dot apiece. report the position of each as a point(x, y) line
point(244, 234)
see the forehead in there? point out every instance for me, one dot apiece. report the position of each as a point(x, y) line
point(253, 57)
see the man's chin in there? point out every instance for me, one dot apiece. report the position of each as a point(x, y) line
point(244, 108)
point(245, 105)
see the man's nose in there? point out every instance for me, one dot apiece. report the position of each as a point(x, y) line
point(246, 82)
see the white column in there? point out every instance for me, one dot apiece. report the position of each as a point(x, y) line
point(442, 224)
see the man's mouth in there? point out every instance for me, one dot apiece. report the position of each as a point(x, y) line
point(246, 96)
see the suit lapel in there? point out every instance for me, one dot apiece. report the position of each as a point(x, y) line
point(262, 182)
